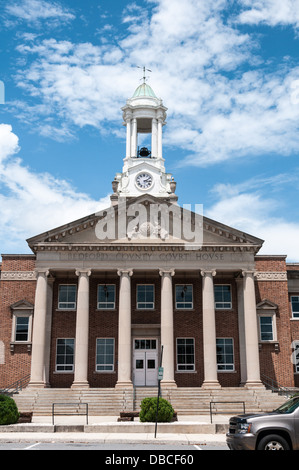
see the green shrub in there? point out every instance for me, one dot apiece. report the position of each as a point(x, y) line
point(149, 409)
point(9, 413)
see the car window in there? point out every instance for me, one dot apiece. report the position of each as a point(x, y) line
point(289, 406)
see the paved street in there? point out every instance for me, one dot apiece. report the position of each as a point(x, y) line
point(110, 448)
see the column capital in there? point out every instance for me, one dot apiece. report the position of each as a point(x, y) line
point(251, 273)
point(165, 272)
point(125, 272)
point(208, 273)
point(42, 272)
point(83, 272)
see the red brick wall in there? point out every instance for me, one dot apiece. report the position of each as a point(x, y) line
point(17, 363)
point(276, 364)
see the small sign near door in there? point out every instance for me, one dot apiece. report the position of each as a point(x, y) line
point(160, 373)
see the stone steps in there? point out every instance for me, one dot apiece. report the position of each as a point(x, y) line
point(110, 401)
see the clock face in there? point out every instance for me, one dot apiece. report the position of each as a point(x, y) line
point(144, 180)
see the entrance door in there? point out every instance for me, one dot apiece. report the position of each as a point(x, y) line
point(145, 362)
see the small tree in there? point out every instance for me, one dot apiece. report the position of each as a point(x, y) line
point(149, 409)
point(9, 413)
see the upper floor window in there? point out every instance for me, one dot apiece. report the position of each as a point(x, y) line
point(67, 297)
point(184, 296)
point(106, 296)
point(225, 354)
point(266, 328)
point(145, 296)
point(223, 297)
point(295, 306)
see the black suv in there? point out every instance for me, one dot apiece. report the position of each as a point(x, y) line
point(278, 430)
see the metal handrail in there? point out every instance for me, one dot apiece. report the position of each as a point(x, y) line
point(227, 402)
point(69, 414)
point(16, 386)
point(273, 385)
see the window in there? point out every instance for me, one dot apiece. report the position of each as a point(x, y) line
point(185, 354)
point(266, 328)
point(21, 332)
point(67, 297)
point(105, 355)
point(223, 298)
point(22, 328)
point(145, 344)
point(65, 348)
point(183, 296)
point(225, 354)
point(106, 296)
point(295, 306)
point(145, 296)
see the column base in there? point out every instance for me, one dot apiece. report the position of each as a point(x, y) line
point(211, 385)
point(33, 385)
point(168, 384)
point(80, 385)
point(124, 386)
point(254, 385)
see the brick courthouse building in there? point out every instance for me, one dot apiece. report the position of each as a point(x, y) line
point(99, 297)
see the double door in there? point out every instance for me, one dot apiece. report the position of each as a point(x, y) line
point(145, 362)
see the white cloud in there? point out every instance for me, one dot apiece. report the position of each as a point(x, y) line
point(191, 50)
point(32, 203)
point(33, 11)
point(245, 207)
point(270, 12)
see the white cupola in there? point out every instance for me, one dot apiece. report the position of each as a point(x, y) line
point(143, 170)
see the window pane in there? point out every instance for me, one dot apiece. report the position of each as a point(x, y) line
point(295, 306)
point(266, 328)
point(145, 296)
point(22, 328)
point(184, 296)
point(65, 355)
point(106, 296)
point(225, 355)
point(185, 354)
point(222, 296)
point(105, 354)
point(67, 296)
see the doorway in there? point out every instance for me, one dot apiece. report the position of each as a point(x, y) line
point(145, 362)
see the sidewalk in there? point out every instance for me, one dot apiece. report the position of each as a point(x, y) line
point(105, 429)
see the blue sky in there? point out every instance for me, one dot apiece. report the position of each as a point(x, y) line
point(227, 70)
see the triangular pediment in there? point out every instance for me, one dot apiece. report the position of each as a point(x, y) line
point(266, 304)
point(22, 305)
point(147, 220)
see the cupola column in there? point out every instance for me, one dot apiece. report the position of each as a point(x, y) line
point(154, 138)
point(134, 138)
point(128, 148)
point(160, 127)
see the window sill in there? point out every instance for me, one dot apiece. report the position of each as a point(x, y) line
point(21, 343)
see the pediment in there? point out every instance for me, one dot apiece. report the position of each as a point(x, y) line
point(266, 304)
point(147, 220)
point(22, 305)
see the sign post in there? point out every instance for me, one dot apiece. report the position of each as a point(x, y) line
point(160, 377)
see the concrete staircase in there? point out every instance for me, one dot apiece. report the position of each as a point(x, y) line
point(101, 401)
point(109, 401)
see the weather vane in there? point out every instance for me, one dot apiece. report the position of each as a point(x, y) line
point(144, 78)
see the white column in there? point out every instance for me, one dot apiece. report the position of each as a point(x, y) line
point(124, 331)
point(128, 147)
point(51, 280)
point(209, 330)
point(160, 134)
point(82, 331)
point(167, 334)
point(134, 138)
point(154, 137)
point(38, 379)
point(242, 346)
point(251, 332)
